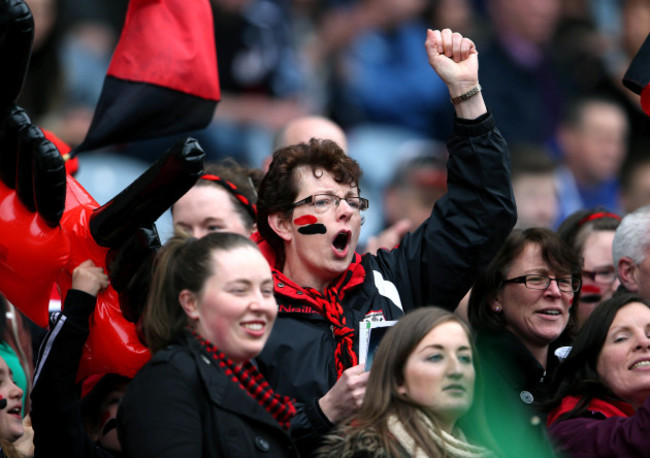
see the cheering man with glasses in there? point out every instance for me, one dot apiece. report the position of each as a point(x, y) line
point(309, 220)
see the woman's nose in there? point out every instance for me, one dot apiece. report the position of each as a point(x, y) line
point(553, 288)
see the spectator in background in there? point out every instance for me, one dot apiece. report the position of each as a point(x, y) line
point(635, 177)
point(522, 85)
point(91, 31)
point(44, 81)
point(593, 145)
point(304, 128)
point(260, 77)
point(419, 180)
point(533, 181)
point(377, 95)
point(590, 233)
point(635, 15)
point(631, 251)
point(222, 200)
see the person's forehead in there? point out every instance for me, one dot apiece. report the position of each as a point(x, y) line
point(308, 178)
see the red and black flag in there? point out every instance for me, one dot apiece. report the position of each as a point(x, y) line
point(637, 76)
point(163, 77)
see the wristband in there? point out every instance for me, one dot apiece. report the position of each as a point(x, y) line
point(469, 94)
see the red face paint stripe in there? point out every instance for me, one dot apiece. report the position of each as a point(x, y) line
point(591, 289)
point(306, 219)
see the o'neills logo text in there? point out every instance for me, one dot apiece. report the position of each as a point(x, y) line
point(293, 309)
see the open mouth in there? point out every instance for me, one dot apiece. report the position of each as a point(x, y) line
point(15, 410)
point(341, 241)
point(640, 364)
point(550, 312)
point(254, 326)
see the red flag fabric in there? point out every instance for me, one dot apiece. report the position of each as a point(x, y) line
point(163, 77)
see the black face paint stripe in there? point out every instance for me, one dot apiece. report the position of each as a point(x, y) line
point(313, 229)
point(110, 425)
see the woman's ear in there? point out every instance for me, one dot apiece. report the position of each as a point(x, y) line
point(280, 226)
point(495, 304)
point(189, 302)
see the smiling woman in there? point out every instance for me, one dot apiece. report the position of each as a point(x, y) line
point(222, 200)
point(211, 310)
point(601, 404)
point(421, 384)
point(519, 308)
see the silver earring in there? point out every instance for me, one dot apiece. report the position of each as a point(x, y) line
point(497, 309)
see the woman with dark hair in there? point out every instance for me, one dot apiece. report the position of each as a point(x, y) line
point(310, 212)
point(590, 233)
point(519, 307)
point(601, 406)
point(222, 200)
point(421, 385)
point(210, 310)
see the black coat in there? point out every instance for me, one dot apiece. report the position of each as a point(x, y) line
point(181, 404)
point(56, 397)
point(516, 386)
point(434, 265)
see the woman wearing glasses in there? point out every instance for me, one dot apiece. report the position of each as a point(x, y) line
point(309, 220)
point(519, 307)
point(591, 233)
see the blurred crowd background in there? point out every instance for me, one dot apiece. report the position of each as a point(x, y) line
point(551, 74)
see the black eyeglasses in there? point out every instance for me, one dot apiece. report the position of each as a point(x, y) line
point(604, 277)
point(541, 282)
point(323, 202)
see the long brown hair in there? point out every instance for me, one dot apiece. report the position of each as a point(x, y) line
point(383, 400)
point(183, 263)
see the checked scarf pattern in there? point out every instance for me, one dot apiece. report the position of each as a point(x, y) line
point(328, 305)
point(249, 379)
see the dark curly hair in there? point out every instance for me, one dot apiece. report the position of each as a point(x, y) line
point(279, 188)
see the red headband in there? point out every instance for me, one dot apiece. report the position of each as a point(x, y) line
point(598, 215)
point(232, 189)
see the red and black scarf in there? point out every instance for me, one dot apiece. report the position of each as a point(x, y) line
point(249, 379)
point(609, 408)
point(329, 306)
